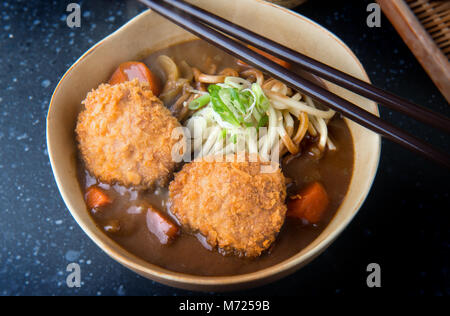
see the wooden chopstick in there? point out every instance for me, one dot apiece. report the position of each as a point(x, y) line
point(335, 102)
point(317, 68)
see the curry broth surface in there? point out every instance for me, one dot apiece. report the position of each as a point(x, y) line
point(188, 254)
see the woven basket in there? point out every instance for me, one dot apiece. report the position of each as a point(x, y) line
point(424, 25)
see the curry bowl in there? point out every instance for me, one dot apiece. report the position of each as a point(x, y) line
point(148, 33)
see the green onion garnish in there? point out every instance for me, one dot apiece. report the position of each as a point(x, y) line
point(220, 107)
point(263, 121)
point(224, 133)
point(199, 102)
point(261, 100)
point(239, 107)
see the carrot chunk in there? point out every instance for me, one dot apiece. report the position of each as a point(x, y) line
point(161, 226)
point(133, 69)
point(95, 197)
point(267, 55)
point(310, 204)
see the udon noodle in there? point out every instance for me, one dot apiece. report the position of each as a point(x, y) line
point(290, 114)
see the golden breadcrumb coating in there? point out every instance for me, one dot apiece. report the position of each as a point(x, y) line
point(238, 208)
point(125, 135)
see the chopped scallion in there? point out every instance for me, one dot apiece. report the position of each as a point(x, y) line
point(199, 102)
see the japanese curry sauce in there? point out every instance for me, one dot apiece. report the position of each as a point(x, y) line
point(188, 253)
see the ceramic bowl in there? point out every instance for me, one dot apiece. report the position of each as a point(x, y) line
point(149, 32)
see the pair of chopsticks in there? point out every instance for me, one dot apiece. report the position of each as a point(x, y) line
point(219, 32)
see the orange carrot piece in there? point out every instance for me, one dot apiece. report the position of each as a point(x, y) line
point(310, 204)
point(95, 197)
point(133, 69)
point(161, 226)
point(277, 60)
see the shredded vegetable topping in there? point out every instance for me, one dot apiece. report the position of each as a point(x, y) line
point(236, 102)
point(229, 111)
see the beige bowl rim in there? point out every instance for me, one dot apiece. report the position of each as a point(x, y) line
point(182, 278)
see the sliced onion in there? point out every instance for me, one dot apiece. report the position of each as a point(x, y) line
point(169, 67)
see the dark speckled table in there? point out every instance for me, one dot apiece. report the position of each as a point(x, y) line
point(403, 225)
